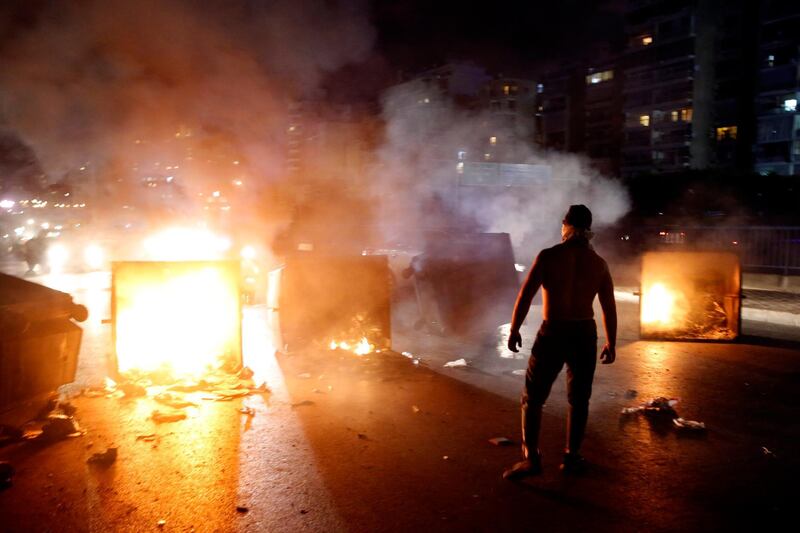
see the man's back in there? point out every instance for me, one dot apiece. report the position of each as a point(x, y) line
point(571, 275)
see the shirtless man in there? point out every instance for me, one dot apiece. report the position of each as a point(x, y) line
point(570, 274)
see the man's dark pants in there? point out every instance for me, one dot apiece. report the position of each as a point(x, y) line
point(573, 342)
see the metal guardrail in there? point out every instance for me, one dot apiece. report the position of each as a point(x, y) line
point(761, 248)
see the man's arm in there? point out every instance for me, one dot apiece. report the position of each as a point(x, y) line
point(523, 304)
point(609, 307)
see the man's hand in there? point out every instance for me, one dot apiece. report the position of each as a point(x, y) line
point(607, 356)
point(514, 341)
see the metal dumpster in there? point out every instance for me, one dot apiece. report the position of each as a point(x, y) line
point(39, 342)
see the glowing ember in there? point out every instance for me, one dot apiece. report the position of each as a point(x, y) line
point(183, 318)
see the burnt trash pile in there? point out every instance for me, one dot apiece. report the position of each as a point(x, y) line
point(662, 409)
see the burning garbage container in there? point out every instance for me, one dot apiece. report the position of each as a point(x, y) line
point(690, 296)
point(180, 318)
point(336, 301)
point(39, 340)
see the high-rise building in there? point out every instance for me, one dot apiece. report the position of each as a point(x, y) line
point(778, 137)
point(688, 85)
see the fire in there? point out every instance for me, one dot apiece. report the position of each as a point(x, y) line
point(362, 347)
point(658, 305)
point(180, 317)
point(186, 244)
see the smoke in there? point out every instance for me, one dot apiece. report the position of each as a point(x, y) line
point(417, 177)
point(111, 82)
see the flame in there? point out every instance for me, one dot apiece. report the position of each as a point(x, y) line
point(658, 305)
point(362, 347)
point(182, 317)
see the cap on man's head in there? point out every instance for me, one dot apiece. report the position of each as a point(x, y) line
point(579, 216)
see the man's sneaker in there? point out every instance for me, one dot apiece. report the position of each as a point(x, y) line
point(574, 463)
point(526, 468)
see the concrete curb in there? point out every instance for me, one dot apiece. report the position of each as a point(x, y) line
point(779, 318)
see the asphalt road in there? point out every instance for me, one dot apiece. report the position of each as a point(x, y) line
point(378, 443)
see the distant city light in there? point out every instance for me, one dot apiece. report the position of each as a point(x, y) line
point(215, 194)
point(790, 104)
point(31, 222)
point(7, 204)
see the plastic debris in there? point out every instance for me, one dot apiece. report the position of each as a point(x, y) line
point(457, 363)
point(6, 474)
point(519, 372)
point(161, 523)
point(691, 425)
point(415, 409)
point(769, 453)
point(304, 375)
point(445, 457)
point(408, 354)
point(416, 362)
point(170, 400)
point(249, 411)
point(655, 407)
point(501, 441)
point(630, 394)
point(161, 417)
point(147, 438)
point(103, 459)
point(60, 427)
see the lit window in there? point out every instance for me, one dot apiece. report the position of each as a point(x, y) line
point(506, 89)
point(771, 60)
point(790, 104)
point(487, 156)
point(674, 116)
point(647, 40)
point(599, 77)
point(492, 140)
point(539, 88)
point(644, 120)
point(686, 114)
point(462, 154)
point(727, 132)
point(460, 167)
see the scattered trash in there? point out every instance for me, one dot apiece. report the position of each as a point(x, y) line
point(249, 411)
point(408, 354)
point(361, 436)
point(174, 416)
point(132, 390)
point(170, 400)
point(416, 362)
point(147, 438)
point(457, 363)
point(242, 509)
point(6, 474)
point(59, 427)
point(415, 409)
point(632, 410)
point(304, 403)
point(103, 459)
point(304, 375)
point(661, 406)
point(501, 441)
point(519, 372)
point(445, 457)
point(768, 453)
point(691, 425)
point(161, 523)
point(630, 394)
